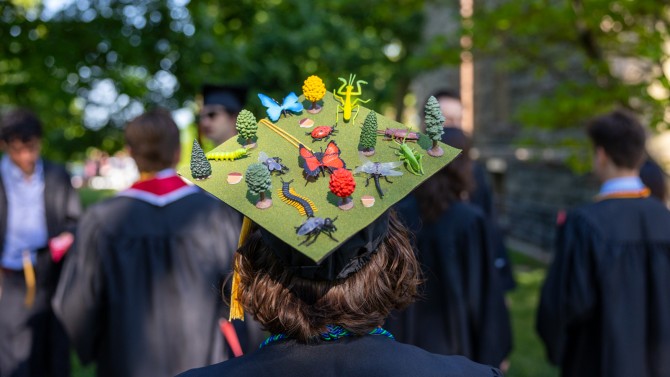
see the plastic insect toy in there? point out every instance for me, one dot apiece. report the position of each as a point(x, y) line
point(314, 226)
point(377, 170)
point(399, 133)
point(274, 109)
point(288, 195)
point(410, 157)
point(321, 133)
point(273, 163)
point(228, 156)
point(316, 162)
point(347, 103)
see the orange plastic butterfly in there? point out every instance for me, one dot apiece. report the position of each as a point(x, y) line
point(321, 161)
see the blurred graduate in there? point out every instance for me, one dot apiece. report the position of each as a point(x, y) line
point(605, 307)
point(139, 294)
point(461, 310)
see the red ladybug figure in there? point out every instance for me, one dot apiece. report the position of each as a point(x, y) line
point(321, 133)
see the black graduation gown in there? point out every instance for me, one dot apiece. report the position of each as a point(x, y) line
point(366, 356)
point(462, 311)
point(605, 305)
point(482, 197)
point(140, 292)
point(32, 341)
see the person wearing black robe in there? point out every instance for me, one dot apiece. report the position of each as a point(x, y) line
point(139, 294)
point(462, 309)
point(480, 193)
point(605, 307)
point(653, 176)
point(38, 207)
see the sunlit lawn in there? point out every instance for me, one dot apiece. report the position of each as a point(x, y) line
point(528, 358)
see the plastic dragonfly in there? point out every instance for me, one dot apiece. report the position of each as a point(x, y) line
point(275, 110)
point(376, 170)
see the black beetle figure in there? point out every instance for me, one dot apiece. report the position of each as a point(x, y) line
point(314, 226)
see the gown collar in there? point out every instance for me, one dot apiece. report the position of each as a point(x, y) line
point(623, 187)
point(162, 189)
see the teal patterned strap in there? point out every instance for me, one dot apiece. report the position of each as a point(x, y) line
point(334, 332)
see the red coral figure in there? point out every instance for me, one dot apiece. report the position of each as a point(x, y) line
point(342, 184)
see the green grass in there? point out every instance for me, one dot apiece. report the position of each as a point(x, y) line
point(528, 356)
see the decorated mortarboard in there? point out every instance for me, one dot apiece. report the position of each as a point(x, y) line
point(319, 180)
point(229, 96)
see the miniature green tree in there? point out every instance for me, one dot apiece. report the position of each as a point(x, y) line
point(369, 134)
point(259, 181)
point(200, 166)
point(247, 125)
point(434, 125)
point(314, 89)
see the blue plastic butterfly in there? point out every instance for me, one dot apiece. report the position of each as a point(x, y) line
point(291, 103)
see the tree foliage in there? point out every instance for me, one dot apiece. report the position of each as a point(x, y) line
point(246, 124)
point(342, 183)
point(369, 132)
point(586, 56)
point(200, 166)
point(434, 119)
point(313, 88)
point(91, 65)
point(258, 178)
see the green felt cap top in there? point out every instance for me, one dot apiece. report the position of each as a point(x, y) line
point(281, 219)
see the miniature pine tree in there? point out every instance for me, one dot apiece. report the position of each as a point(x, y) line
point(434, 125)
point(246, 125)
point(259, 181)
point(342, 184)
point(200, 166)
point(369, 134)
point(314, 89)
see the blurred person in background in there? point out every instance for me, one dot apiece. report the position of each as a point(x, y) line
point(461, 310)
point(605, 308)
point(139, 294)
point(480, 192)
point(653, 176)
point(218, 115)
point(39, 209)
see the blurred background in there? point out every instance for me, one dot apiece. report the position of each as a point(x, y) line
point(530, 73)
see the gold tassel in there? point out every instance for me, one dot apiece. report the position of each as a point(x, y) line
point(236, 310)
point(29, 274)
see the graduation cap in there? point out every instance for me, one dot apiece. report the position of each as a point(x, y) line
point(229, 96)
point(308, 165)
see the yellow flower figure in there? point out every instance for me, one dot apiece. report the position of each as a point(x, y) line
point(314, 89)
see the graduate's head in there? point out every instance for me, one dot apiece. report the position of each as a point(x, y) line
point(21, 132)
point(356, 287)
point(452, 183)
point(619, 142)
point(451, 106)
point(218, 114)
point(153, 140)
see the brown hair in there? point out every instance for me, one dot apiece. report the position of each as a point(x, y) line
point(451, 184)
point(153, 138)
point(301, 308)
point(621, 136)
